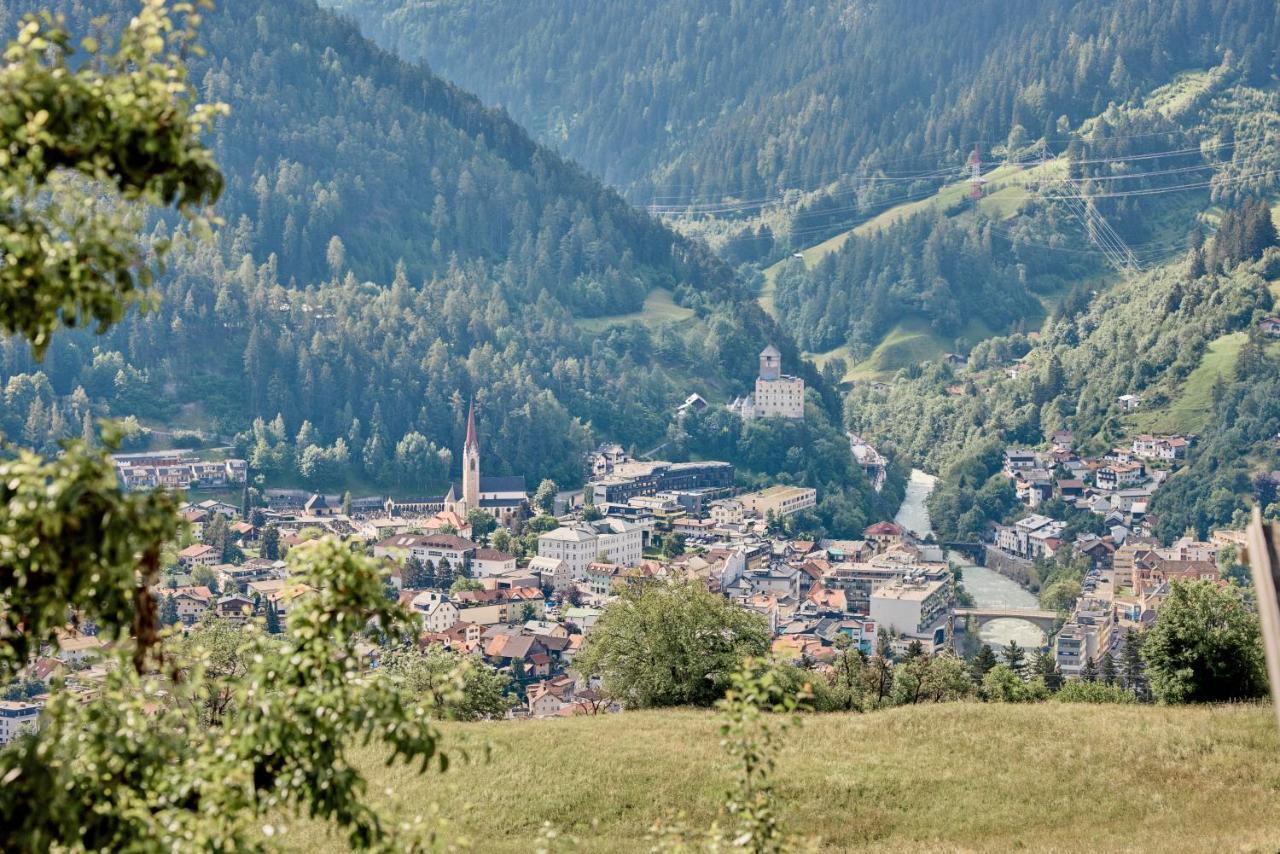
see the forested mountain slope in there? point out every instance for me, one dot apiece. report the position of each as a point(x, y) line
point(329, 135)
point(392, 249)
point(702, 101)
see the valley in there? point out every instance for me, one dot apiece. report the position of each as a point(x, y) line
point(694, 425)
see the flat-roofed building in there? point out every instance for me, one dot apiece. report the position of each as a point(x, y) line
point(17, 717)
point(779, 500)
point(914, 607)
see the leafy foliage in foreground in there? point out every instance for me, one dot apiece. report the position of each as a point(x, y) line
point(124, 123)
point(172, 774)
point(177, 751)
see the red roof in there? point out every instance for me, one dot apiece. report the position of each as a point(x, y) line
point(883, 529)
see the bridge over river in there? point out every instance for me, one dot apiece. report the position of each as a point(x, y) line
point(1043, 620)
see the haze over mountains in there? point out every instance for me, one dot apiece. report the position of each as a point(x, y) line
point(698, 101)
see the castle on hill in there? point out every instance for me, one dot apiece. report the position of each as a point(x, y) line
point(777, 395)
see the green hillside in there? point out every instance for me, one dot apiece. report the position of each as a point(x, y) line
point(1057, 778)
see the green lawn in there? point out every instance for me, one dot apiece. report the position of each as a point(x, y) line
point(659, 308)
point(1189, 411)
point(952, 777)
point(909, 342)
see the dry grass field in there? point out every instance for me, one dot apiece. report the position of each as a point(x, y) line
point(952, 777)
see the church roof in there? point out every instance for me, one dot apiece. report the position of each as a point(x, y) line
point(771, 351)
point(502, 484)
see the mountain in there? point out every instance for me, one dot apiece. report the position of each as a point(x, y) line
point(767, 128)
point(715, 101)
point(391, 249)
point(329, 135)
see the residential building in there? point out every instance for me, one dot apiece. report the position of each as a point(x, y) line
point(1019, 459)
point(486, 562)
point(76, 648)
point(603, 579)
point(575, 547)
point(17, 717)
point(727, 511)
point(553, 572)
point(198, 555)
point(176, 470)
point(428, 548)
point(1119, 475)
point(581, 544)
point(192, 603)
point(506, 605)
point(438, 613)
point(235, 608)
point(779, 500)
point(583, 617)
point(1086, 635)
point(884, 534)
point(915, 608)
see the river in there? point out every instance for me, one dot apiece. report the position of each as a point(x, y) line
point(989, 588)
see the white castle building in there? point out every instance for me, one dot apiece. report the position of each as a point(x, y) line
point(777, 395)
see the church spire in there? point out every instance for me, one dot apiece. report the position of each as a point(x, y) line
point(471, 465)
point(472, 443)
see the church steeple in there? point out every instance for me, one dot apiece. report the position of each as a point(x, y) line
point(472, 442)
point(471, 463)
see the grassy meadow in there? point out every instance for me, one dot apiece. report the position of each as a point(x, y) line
point(659, 308)
point(951, 777)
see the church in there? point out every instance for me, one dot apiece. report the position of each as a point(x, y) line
point(504, 498)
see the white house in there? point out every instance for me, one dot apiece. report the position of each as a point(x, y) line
point(487, 562)
point(17, 717)
point(438, 613)
point(551, 570)
point(618, 540)
point(576, 547)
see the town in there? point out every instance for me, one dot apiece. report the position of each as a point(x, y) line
point(519, 581)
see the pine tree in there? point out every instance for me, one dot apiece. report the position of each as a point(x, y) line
point(1108, 668)
point(414, 574)
point(983, 661)
point(271, 542)
point(1046, 668)
point(1132, 671)
point(169, 611)
point(1089, 673)
point(444, 574)
point(1015, 657)
point(273, 619)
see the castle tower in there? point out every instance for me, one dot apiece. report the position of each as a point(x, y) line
point(471, 464)
point(770, 363)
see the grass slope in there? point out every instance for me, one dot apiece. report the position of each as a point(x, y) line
point(954, 777)
point(1189, 411)
point(911, 341)
point(659, 308)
